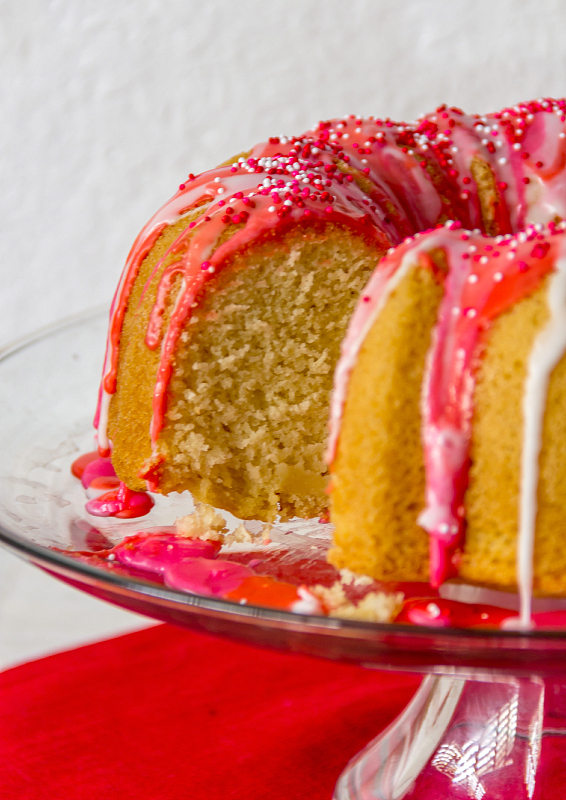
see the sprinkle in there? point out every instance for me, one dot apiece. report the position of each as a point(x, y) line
point(484, 260)
point(471, 312)
point(498, 277)
point(473, 278)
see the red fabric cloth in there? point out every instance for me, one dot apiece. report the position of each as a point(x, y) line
point(166, 714)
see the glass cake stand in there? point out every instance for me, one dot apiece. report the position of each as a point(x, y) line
point(489, 719)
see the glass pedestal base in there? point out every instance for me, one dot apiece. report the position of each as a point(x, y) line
point(498, 738)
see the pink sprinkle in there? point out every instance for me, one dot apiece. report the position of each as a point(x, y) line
point(205, 265)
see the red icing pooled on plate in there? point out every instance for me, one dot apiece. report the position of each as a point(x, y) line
point(121, 503)
point(97, 468)
point(158, 548)
point(80, 464)
point(265, 590)
point(191, 565)
point(436, 612)
point(97, 474)
point(318, 177)
point(211, 578)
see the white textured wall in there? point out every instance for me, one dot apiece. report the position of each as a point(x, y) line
point(106, 105)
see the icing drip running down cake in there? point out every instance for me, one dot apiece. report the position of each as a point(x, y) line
point(227, 322)
point(448, 443)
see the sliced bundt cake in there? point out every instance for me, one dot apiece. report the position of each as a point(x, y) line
point(226, 324)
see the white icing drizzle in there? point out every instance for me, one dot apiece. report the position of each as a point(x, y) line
point(548, 349)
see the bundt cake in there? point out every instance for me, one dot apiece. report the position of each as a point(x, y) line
point(227, 321)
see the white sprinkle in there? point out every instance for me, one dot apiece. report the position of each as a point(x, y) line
point(455, 311)
point(499, 143)
point(472, 248)
point(217, 180)
point(271, 208)
point(484, 141)
point(562, 135)
point(390, 251)
point(211, 269)
point(432, 608)
point(484, 260)
point(112, 557)
point(472, 278)
point(516, 146)
point(511, 255)
point(471, 312)
point(502, 160)
point(454, 149)
point(287, 203)
point(220, 191)
point(498, 277)
point(442, 528)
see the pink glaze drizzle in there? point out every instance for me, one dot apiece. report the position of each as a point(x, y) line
point(288, 181)
point(476, 290)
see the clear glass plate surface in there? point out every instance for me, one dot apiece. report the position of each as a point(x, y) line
point(48, 389)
